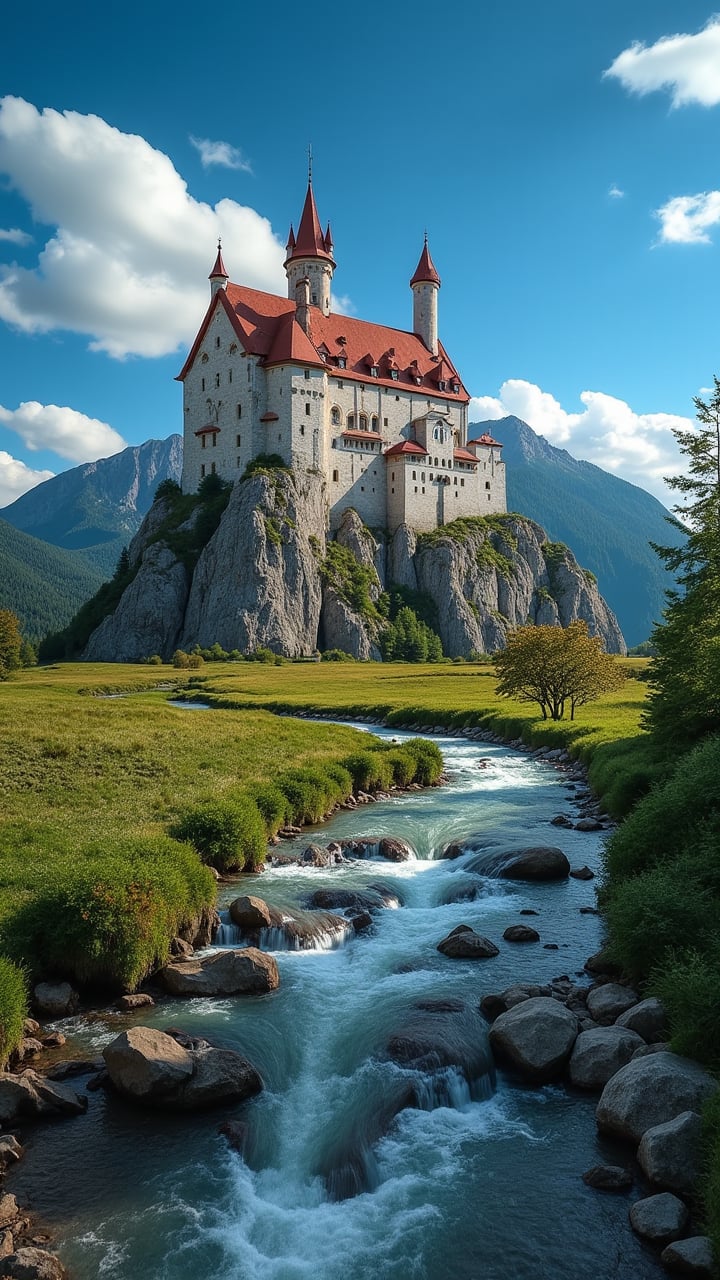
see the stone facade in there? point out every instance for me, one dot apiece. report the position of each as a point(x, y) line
point(380, 413)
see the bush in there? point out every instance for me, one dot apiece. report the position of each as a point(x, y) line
point(311, 792)
point(336, 655)
point(687, 983)
point(274, 806)
point(263, 654)
point(658, 912)
point(368, 770)
point(428, 758)
point(155, 660)
point(195, 661)
point(181, 659)
point(228, 834)
point(13, 1008)
point(404, 766)
point(105, 917)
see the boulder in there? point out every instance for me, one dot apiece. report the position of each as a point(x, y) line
point(219, 1076)
point(7, 1244)
point(390, 847)
point(372, 898)
point(648, 1018)
point(250, 913)
point(55, 999)
point(650, 1091)
point(659, 1218)
point(443, 1033)
point(245, 971)
point(608, 1002)
point(10, 1150)
point(135, 1000)
point(670, 1154)
point(588, 824)
point(147, 1065)
point(313, 856)
point(463, 943)
point(598, 1054)
point(32, 1264)
point(30, 1095)
point(537, 863)
point(600, 963)
point(608, 1177)
point(691, 1257)
point(521, 933)
point(582, 873)
point(9, 1211)
point(536, 1037)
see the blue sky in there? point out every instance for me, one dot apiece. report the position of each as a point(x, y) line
point(563, 158)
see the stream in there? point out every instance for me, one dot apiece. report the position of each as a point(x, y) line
point(479, 1180)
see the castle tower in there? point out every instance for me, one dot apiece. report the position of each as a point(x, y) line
point(218, 276)
point(309, 254)
point(425, 285)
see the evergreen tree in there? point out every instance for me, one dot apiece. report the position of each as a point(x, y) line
point(10, 643)
point(685, 679)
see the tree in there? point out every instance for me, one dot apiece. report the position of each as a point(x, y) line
point(556, 666)
point(11, 643)
point(684, 702)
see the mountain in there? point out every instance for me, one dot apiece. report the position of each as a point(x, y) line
point(43, 585)
point(608, 523)
point(97, 508)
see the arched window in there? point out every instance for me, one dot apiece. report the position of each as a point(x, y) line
point(363, 422)
point(351, 422)
point(375, 423)
point(335, 416)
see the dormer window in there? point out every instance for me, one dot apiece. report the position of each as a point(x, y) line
point(456, 388)
point(342, 362)
point(394, 375)
point(374, 371)
point(442, 385)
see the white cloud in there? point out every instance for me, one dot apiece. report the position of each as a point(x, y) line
point(686, 219)
point(341, 304)
point(220, 153)
point(16, 478)
point(615, 192)
point(13, 235)
point(64, 431)
point(687, 65)
point(128, 262)
point(638, 447)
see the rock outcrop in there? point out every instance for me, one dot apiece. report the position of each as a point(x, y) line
point(246, 972)
point(650, 1091)
point(262, 580)
point(151, 1068)
point(535, 1037)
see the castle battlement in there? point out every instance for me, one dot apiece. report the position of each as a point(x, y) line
point(381, 413)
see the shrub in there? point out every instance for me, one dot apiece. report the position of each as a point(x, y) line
point(13, 1008)
point(195, 661)
point(155, 660)
point(228, 834)
point(311, 792)
point(263, 654)
point(404, 766)
point(687, 983)
point(658, 912)
point(367, 770)
point(181, 659)
point(274, 806)
point(105, 916)
point(429, 760)
point(336, 655)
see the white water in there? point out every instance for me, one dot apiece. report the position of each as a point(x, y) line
point(469, 1183)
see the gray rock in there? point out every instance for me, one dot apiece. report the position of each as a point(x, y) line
point(598, 1054)
point(401, 552)
point(582, 873)
point(691, 1257)
point(372, 898)
point(219, 1076)
point(32, 1264)
point(608, 1177)
point(541, 863)
point(464, 944)
point(443, 1033)
point(147, 1065)
point(30, 1095)
point(245, 971)
point(659, 1218)
point(10, 1150)
point(648, 1018)
point(536, 1037)
point(150, 613)
point(521, 933)
point(135, 1000)
point(670, 1154)
point(650, 1091)
point(250, 913)
point(608, 1002)
point(55, 999)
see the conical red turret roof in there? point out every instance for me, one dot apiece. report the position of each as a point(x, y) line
point(310, 241)
point(425, 270)
point(218, 271)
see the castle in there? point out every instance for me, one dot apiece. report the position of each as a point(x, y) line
point(381, 413)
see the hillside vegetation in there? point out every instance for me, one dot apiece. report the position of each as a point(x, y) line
point(43, 585)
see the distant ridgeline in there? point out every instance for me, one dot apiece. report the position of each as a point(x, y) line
point(608, 523)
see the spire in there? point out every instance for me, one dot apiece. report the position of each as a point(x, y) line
point(310, 242)
point(425, 270)
point(290, 242)
point(328, 242)
point(218, 272)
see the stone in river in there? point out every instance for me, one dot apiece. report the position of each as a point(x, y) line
point(598, 1054)
point(521, 933)
point(55, 999)
point(670, 1154)
point(650, 1091)
point(150, 1067)
point(463, 943)
point(535, 1037)
point(245, 971)
point(608, 1177)
point(648, 1018)
point(691, 1257)
point(608, 1002)
point(659, 1219)
point(32, 1264)
point(250, 913)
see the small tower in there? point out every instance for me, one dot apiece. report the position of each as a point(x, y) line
point(310, 254)
point(218, 276)
point(425, 285)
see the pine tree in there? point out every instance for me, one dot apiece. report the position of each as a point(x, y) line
point(685, 679)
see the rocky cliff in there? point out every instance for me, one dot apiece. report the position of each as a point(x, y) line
point(267, 577)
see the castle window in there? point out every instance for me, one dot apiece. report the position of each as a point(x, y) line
point(202, 470)
point(385, 422)
point(454, 479)
point(335, 416)
point(423, 488)
point(362, 488)
point(204, 441)
point(214, 439)
point(340, 384)
point(217, 342)
point(336, 476)
point(436, 462)
point(351, 422)
point(342, 364)
point(203, 384)
point(313, 299)
point(487, 484)
point(394, 375)
point(363, 422)
point(279, 435)
point(431, 475)
point(462, 482)
point(204, 357)
point(442, 384)
point(239, 411)
point(238, 441)
point(229, 375)
point(488, 497)
point(392, 490)
point(374, 371)
point(414, 475)
point(416, 488)
point(306, 374)
point(302, 428)
point(217, 379)
point(423, 477)
point(307, 409)
point(374, 422)
point(392, 475)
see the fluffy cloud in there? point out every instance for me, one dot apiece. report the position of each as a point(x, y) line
point(16, 478)
point(687, 65)
point(220, 153)
point(127, 264)
point(64, 431)
point(686, 219)
point(638, 447)
point(616, 192)
point(13, 235)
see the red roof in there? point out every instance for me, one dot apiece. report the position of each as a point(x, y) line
point(406, 446)
point(219, 268)
point(425, 269)
point(486, 439)
point(362, 435)
point(464, 455)
point(265, 325)
point(269, 417)
point(204, 430)
point(310, 241)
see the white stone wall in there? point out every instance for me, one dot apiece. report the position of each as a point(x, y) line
point(319, 272)
point(425, 314)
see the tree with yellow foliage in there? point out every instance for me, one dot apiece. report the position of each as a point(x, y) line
point(556, 667)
